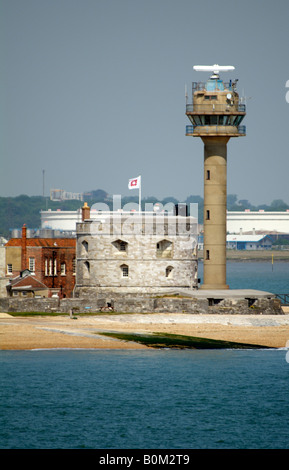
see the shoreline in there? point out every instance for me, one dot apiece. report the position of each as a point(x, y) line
point(253, 255)
point(63, 332)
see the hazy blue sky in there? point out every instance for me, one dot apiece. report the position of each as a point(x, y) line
point(92, 91)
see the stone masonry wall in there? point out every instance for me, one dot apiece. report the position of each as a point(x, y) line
point(166, 256)
point(143, 304)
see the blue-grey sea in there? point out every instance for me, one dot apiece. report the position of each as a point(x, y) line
point(150, 399)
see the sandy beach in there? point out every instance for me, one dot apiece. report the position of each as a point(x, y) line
point(36, 332)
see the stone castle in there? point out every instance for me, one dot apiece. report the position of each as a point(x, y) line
point(135, 252)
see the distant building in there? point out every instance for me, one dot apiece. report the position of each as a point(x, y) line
point(257, 221)
point(63, 221)
point(62, 195)
point(26, 285)
point(249, 242)
point(243, 242)
point(237, 222)
point(50, 260)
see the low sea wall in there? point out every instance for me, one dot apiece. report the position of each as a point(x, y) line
point(144, 304)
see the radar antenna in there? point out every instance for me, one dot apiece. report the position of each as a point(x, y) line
point(213, 68)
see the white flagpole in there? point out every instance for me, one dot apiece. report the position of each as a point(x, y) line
point(139, 195)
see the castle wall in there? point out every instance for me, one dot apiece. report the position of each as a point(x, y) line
point(136, 251)
point(144, 304)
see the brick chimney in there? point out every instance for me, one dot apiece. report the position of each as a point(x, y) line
point(85, 212)
point(23, 249)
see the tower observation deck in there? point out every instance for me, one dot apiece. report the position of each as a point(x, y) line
point(216, 115)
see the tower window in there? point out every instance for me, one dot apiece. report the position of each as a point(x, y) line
point(121, 246)
point(85, 246)
point(207, 254)
point(208, 175)
point(207, 215)
point(164, 249)
point(124, 270)
point(210, 97)
point(86, 271)
point(169, 272)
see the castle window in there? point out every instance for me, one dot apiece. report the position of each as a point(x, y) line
point(208, 177)
point(86, 269)
point(164, 249)
point(207, 215)
point(207, 254)
point(121, 246)
point(74, 266)
point(124, 270)
point(169, 272)
point(85, 246)
point(46, 267)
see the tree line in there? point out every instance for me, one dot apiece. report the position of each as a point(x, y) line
point(23, 209)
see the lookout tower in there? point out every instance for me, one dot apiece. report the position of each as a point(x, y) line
point(216, 114)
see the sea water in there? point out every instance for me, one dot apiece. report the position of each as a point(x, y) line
point(145, 399)
point(259, 275)
point(150, 399)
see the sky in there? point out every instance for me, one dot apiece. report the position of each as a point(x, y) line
point(93, 93)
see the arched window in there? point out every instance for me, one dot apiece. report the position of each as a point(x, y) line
point(86, 269)
point(84, 246)
point(164, 249)
point(124, 270)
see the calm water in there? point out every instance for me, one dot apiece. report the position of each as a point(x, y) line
point(257, 275)
point(144, 399)
point(159, 399)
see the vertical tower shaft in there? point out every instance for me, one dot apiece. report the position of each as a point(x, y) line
point(215, 208)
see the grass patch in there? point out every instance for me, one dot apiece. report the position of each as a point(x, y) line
point(35, 314)
point(75, 313)
point(167, 340)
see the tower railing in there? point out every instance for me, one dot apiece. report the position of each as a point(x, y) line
point(216, 129)
point(199, 86)
point(215, 107)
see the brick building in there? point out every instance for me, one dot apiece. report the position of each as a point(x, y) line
point(50, 260)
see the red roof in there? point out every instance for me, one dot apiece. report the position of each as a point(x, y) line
point(27, 281)
point(45, 242)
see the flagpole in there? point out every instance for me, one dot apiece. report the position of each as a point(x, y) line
point(139, 195)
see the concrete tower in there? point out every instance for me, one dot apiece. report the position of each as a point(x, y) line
point(215, 114)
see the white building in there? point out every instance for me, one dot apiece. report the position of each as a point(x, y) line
point(257, 221)
point(60, 220)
